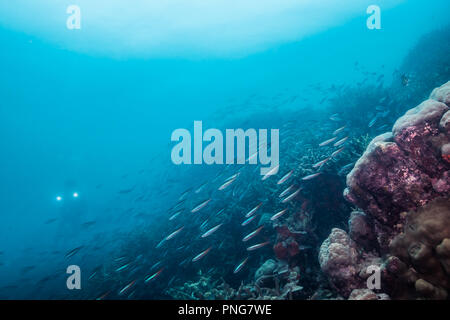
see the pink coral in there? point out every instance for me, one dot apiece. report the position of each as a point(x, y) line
point(405, 169)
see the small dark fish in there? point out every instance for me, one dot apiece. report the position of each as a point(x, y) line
point(155, 265)
point(311, 176)
point(240, 266)
point(199, 189)
point(173, 234)
point(50, 220)
point(334, 154)
point(339, 130)
point(252, 212)
point(184, 194)
point(211, 231)
point(335, 117)
point(257, 246)
point(103, 296)
point(286, 191)
point(122, 267)
point(285, 177)
point(340, 142)
point(171, 281)
point(125, 191)
point(88, 224)
point(73, 252)
point(246, 222)
point(346, 168)
point(127, 287)
point(201, 255)
point(27, 269)
point(234, 176)
point(226, 184)
point(279, 214)
point(160, 243)
point(291, 196)
point(384, 114)
point(200, 206)
point(320, 163)
point(273, 171)
point(154, 276)
point(119, 259)
point(252, 234)
point(326, 142)
point(176, 214)
point(204, 224)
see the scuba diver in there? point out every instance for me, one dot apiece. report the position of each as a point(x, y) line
point(72, 207)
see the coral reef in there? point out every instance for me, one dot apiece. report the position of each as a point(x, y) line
point(273, 281)
point(367, 294)
point(405, 169)
point(338, 258)
point(344, 263)
point(205, 288)
point(423, 249)
point(276, 280)
point(402, 184)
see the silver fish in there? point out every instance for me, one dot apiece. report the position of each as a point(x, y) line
point(252, 212)
point(211, 231)
point(326, 142)
point(286, 191)
point(337, 152)
point(320, 163)
point(292, 196)
point(257, 246)
point(285, 177)
point(200, 206)
point(252, 234)
point(279, 214)
point(311, 176)
point(247, 221)
point(273, 171)
point(173, 234)
point(337, 131)
point(340, 141)
point(201, 254)
point(240, 266)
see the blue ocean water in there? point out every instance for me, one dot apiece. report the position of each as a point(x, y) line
point(86, 117)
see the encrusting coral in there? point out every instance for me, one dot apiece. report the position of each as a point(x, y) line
point(424, 247)
point(402, 184)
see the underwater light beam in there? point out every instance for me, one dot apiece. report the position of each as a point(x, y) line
point(174, 28)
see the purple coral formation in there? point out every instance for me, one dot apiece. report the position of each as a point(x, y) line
point(338, 259)
point(400, 171)
point(404, 169)
point(344, 263)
